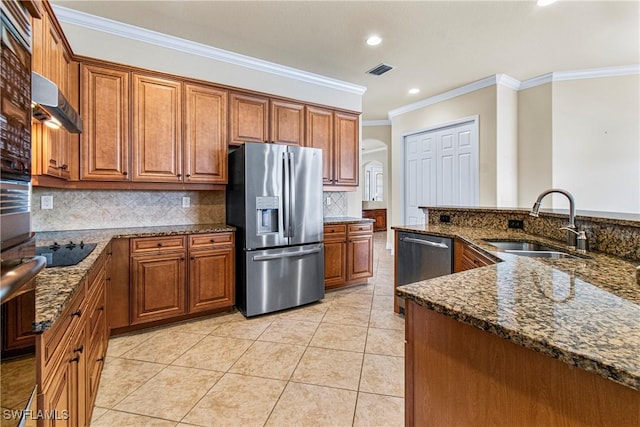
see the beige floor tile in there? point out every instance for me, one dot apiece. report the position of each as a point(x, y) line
point(340, 337)
point(122, 376)
point(187, 385)
point(116, 418)
point(163, 347)
point(203, 326)
point(216, 353)
point(97, 413)
point(384, 289)
point(289, 331)
point(248, 329)
point(382, 375)
point(311, 405)
point(237, 400)
point(269, 360)
point(312, 312)
point(389, 342)
point(353, 299)
point(386, 319)
point(376, 410)
point(121, 344)
point(347, 315)
point(382, 302)
point(333, 368)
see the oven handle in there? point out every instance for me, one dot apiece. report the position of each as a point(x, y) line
point(424, 242)
point(14, 278)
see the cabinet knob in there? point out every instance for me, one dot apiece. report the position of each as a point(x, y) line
point(179, 175)
point(192, 258)
point(101, 308)
point(182, 259)
point(159, 244)
point(124, 173)
point(75, 359)
point(100, 359)
point(188, 175)
point(79, 349)
point(212, 240)
point(76, 313)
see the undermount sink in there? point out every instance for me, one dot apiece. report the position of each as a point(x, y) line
point(530, 249)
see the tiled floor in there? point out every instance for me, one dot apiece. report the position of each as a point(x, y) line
point(339, 362)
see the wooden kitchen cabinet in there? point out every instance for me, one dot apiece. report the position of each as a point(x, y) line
point(337, 134)
point(348, 254)
point(379, 216)
point(157, 129)
point(211, 271)
point(287, 123)
point(249, 118)
point(17, 328)
point(157, 278)
point(105, 112)
point(466, 257)
point(205, 134)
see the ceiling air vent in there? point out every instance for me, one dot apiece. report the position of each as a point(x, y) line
point(379, 70)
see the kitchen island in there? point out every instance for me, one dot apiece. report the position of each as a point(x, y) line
point(524, 341)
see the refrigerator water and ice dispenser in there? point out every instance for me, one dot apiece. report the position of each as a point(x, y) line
point(267, 214)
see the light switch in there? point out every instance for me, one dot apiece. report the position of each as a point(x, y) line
point(186, 202)
point(46, 202)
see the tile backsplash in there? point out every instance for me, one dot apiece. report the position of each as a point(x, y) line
point(93, 209)
point(335, 204)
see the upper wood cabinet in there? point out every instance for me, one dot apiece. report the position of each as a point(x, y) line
point(337, 134)
point(157, 129)
point(205, 134)
point(287, 123)
point(249, 116)
point(105, 112)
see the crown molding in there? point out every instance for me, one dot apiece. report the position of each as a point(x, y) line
point(507, 81)
point(376, 123)
point(81, 19)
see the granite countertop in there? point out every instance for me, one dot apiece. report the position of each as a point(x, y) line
point(585, 312)
point(56, 285)
point(345, 220)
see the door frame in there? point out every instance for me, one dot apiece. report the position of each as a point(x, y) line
point(473, 120)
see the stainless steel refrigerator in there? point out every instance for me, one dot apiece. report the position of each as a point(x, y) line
point(274, 199)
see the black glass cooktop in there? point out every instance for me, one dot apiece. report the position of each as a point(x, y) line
point(64, 255)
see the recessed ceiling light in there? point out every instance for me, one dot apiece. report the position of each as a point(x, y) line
point(374, 41)
point(545, 2)
point(414, 91)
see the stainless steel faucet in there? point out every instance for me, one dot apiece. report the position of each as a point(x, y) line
point(572, 233)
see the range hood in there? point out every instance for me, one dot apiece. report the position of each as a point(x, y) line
point(48, 102)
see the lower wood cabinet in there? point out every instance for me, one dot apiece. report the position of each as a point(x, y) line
point(211, 271)
point(70, 355)
point(466, 257)
point(348, 254)
point(379, 216)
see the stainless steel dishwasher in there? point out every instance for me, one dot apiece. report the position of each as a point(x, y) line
point(422, 257)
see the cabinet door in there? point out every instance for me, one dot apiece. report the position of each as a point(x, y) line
point(157, 129)
point(205, 134)
point(360, 257)
point(320, 135)
point(58, 396)
point(249, 118)
point(105, 115)
point(287, 123)
point(77, 375)
point(335, 262)
point(17, 318)
point(211, 279)
point(347, 155)
point(158, 287)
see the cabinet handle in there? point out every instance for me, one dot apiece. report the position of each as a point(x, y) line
point(188, 175)
point(100, 359)
point(64, 167)
point(101, 308)
point(159, 245)
point(79, 349)
point(192, 258)
point(75, 359)
point(179, 175)
point(108, 279)
point(182, 259)
point(76, 313)
point(124, 173)
point(212, 240)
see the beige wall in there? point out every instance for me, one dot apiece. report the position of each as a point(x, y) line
point(534, 144)
point(122, 50)
point(481, 102)
point(506, 147)
point(596, 142)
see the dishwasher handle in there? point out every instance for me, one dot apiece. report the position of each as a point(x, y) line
point(424, 242)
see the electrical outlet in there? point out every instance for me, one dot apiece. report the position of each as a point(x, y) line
point(328, 201)
point(445, 218)
point(515, 223)
point(186, 202)
point(46, 202)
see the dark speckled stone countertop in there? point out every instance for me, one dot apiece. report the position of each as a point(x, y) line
point(345, 220)
point(56, 285)
point(585, 312)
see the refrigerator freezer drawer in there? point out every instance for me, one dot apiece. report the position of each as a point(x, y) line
point(277, 279)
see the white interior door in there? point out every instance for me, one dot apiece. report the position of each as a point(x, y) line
point(441, 169)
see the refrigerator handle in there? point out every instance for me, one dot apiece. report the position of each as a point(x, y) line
point(286, 193)
point(292, 195)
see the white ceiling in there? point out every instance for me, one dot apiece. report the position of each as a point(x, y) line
point(435, 46)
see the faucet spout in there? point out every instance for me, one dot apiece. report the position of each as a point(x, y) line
point(535, 210)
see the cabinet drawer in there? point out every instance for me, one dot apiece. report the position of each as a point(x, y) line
point(206, 241)
point(335, 231)
point(155, 244)
point(361, 228)
point(472, 258)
